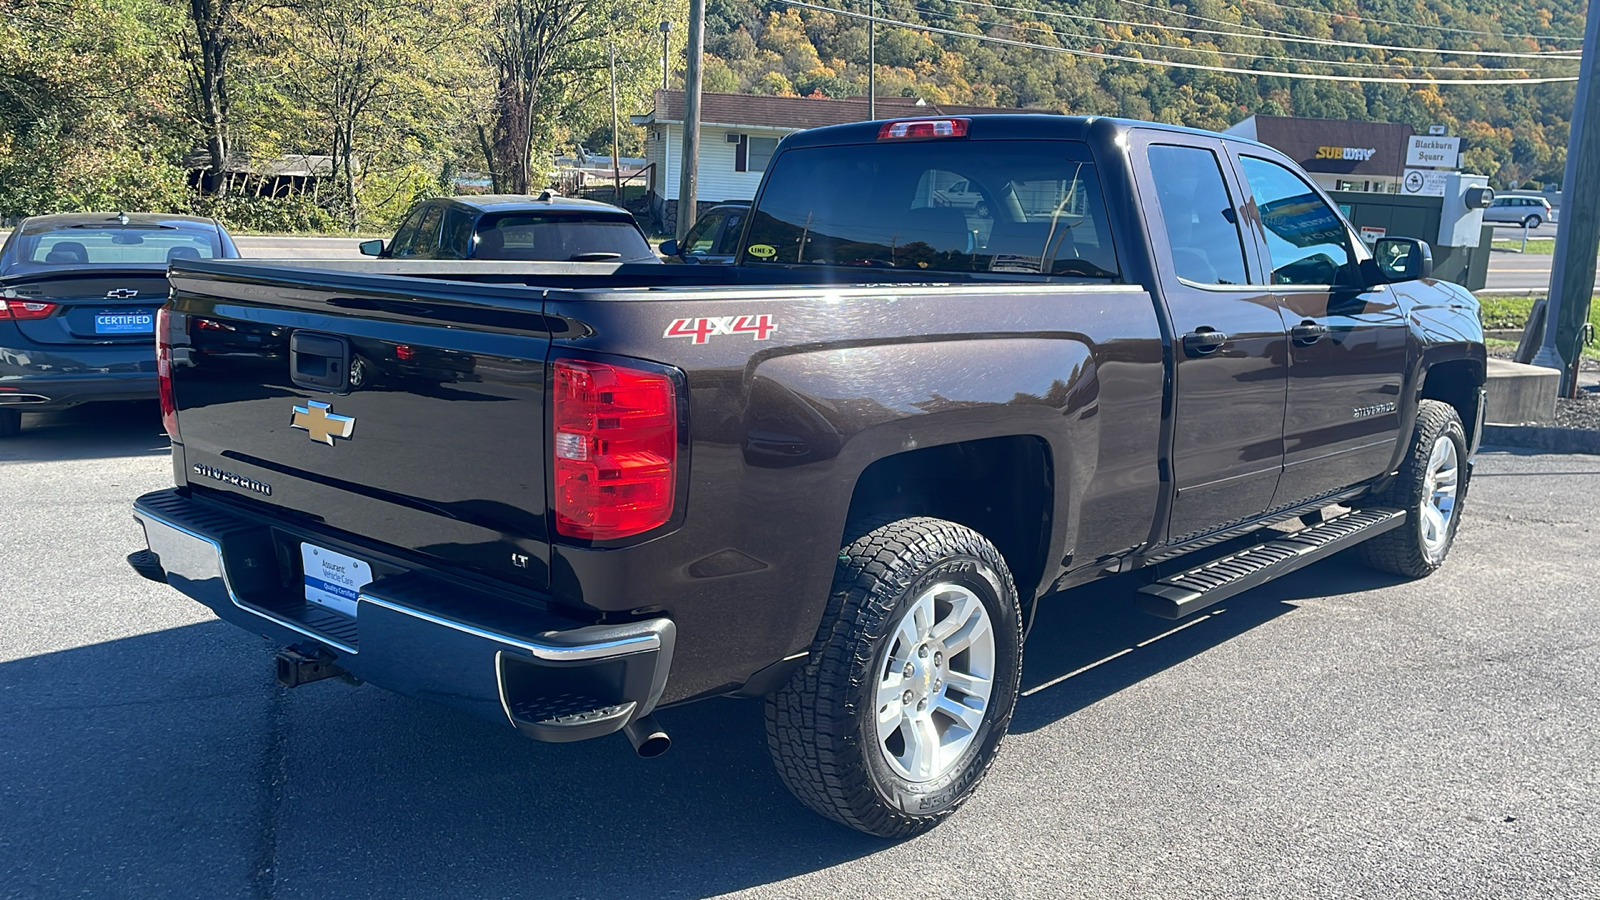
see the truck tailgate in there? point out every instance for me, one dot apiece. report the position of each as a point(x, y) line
point(427, 434)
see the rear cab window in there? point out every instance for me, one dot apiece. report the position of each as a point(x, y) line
point(1020, 207)
point(559, 237)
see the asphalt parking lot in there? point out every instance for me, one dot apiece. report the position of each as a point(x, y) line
point(1333, 734)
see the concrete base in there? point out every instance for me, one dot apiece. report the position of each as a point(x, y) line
point(1521, 395)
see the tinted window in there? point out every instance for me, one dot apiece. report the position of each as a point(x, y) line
point(100, 246)
point(457, 241)
point(729, 244)
point(1308, 241)
point(1200, 219)
point(406, 233)
point(1031, 207)
point(700, 237)
point(425, 241)
point(559, 237)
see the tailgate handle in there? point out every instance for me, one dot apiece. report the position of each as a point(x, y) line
point(320, 362)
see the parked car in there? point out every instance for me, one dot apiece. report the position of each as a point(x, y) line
point(841, 473)
point(963, 194)
point(1529, 212)
point(713, 239)
point(78, 301)
point(547, 227)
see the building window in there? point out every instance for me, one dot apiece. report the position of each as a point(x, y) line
point(753, 153)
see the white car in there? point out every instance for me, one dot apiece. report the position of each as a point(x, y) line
point(1519, 210)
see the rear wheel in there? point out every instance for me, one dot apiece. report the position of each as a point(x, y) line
point(898, 713)
point(10, 422)
point(1532, 222)
point(1430, 487)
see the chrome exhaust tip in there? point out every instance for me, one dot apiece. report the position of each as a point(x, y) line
point(648, 738)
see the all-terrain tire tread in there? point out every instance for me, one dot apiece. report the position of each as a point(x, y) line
point(810, 731)
point(1399, 551)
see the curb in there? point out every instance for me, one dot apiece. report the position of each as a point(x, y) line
point(1543, 438)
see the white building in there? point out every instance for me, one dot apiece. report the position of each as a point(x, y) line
point(738, 134)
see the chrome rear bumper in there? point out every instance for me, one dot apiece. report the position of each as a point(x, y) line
point(416, 632)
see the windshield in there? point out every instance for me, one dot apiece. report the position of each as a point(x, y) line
point(112, 245)
point(1022, 207)
point(559, 237)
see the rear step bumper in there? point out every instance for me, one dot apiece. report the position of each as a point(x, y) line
point(417, 633)
point(1179, 595)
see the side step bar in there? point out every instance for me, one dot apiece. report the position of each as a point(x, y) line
point(1179, 595)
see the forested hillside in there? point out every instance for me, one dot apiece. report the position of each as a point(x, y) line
point(114, 103)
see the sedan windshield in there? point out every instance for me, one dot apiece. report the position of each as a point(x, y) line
point(560, 237)
point(111, 245)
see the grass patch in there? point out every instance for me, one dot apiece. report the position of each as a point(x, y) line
point(1542, 246)
point(1498, 312)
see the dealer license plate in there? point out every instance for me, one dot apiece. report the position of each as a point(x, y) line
point(333, 580)
point(124, 323)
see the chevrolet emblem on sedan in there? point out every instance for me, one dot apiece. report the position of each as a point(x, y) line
point(121, 294)
point(324, 425)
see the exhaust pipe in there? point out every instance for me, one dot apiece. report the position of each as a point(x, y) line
point(648, 738)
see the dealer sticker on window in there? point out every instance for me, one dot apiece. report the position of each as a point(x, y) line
point(333, 580)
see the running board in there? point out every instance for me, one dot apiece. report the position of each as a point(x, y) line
point(1178, 595)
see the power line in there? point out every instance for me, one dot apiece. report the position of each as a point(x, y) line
point(1172, 64)
point(1296, 39)
point(1329, 12)
point(1235, 54)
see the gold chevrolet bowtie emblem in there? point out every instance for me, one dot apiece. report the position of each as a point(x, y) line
point(323, 425)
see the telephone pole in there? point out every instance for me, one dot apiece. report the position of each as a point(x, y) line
point(689, 178)
point(666, 28)
point(1573, 266)
point(616, 162)
point(872, 59)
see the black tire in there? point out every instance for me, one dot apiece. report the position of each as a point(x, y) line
point(1403, 551)
point(981, 211)
point(821, 727)
point(10, 422)
point(1532, 222)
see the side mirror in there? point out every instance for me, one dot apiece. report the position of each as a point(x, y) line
point(372, 248)
point(1403, 259)
point(668, 248)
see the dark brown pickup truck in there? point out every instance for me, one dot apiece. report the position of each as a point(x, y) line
point(839, 474)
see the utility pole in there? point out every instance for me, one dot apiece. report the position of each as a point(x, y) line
point(616, 162)
point(1572, 269)
point(872, 59)
point(689, 178)
point(666, 28)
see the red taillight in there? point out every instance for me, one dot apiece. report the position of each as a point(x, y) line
point(28, 309)
point(169, 407)
point(403, 352)
point(615, 448)
point(912, 129)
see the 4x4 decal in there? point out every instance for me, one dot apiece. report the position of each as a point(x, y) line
point(704, 329)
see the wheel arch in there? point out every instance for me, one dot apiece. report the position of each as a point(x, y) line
point(1001, 487)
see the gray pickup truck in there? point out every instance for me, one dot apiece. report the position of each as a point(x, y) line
point(839, 474)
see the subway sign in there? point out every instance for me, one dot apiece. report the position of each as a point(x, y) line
point(1349, 154)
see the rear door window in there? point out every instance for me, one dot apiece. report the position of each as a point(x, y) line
point(1016, 207)
point(1201, 222)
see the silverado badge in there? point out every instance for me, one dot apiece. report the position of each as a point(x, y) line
point(323, 425)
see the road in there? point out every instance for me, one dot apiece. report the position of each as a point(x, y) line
point(1334, 734)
